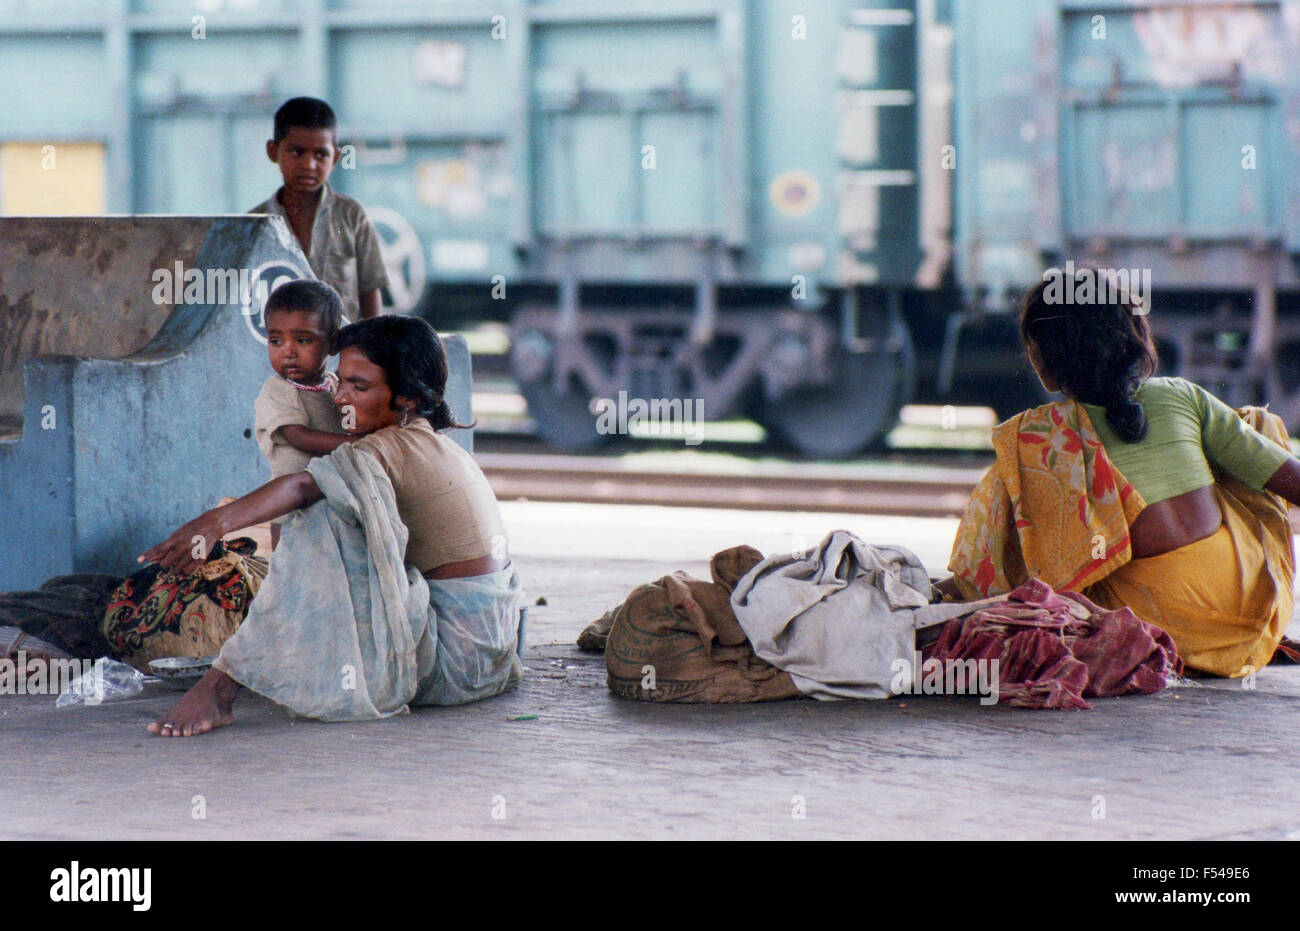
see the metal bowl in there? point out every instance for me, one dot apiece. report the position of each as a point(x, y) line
point(181, 672)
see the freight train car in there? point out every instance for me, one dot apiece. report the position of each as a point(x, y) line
point(1161, 137)
point(806, 212)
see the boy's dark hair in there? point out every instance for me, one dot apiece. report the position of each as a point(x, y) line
point(307, 112)
point(312, 296)
point(414, 362)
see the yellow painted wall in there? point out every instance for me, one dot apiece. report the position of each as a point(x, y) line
point(52, 178)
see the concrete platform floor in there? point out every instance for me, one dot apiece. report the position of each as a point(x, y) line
point(1212, 761)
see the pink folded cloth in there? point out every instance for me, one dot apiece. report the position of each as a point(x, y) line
point(1053, 649)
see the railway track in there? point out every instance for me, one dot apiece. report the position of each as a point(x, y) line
point(930, 492)
point(863, 488)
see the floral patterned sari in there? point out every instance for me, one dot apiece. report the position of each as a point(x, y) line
point(1052, 507)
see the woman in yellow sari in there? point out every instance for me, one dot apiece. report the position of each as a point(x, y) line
point(1137, 491)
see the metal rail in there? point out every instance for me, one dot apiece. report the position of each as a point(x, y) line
point(600, 481)
point(593, 480)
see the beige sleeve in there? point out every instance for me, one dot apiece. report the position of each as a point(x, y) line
point(374, 444)
point(277, 406)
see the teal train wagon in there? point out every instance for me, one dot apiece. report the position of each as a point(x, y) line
point(1160, 140)
point(809, 213)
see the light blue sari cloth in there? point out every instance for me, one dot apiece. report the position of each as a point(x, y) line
point(342, 630)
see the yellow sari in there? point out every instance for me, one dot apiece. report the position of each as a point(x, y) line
point(1054, 507)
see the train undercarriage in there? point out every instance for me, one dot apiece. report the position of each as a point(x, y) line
point(829, 383)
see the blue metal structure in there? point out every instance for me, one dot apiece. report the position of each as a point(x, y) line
point(807, 212)
point(119, 448)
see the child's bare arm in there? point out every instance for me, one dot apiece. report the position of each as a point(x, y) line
point(316, 442)
point(370, 306)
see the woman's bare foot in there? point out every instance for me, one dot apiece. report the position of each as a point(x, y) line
point(202, 708)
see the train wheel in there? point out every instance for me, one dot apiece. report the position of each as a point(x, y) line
point(845, 417)
point(564, 416)
point(564, 419)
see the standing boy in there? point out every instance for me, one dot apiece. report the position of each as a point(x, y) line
point(333, 229)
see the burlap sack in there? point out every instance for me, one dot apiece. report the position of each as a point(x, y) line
point(677, 640)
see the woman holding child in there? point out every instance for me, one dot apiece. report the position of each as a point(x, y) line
point(1137, 491)
point(397, 589)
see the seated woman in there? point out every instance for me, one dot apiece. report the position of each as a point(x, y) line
point(1137, 491)
point(342, 629)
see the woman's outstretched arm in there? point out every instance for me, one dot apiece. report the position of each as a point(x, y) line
point(187, 548)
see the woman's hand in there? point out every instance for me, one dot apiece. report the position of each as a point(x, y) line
point(1286, 481)
point(188, 548)
point(948, 588)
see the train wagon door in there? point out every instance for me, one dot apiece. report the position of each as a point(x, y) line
point(201, 115)
point(598, 165)
point(432, 129)
point(626, 123)
point(203, 160)
point(633, 124)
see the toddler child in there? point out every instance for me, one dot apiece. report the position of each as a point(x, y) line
point(295, 414)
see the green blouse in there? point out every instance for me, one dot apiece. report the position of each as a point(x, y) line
point(1186, 427)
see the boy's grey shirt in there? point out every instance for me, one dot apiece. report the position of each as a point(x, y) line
point(344, 249)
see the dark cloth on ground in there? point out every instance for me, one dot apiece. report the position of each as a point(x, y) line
point(1288, 653)
point(66, 612)
point(596, 634)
